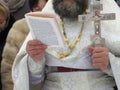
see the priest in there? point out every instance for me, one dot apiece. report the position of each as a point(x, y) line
point(79, 64)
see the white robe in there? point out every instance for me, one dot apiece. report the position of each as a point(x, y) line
point(23, 65)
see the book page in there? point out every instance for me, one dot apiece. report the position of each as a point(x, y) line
point(45, 29)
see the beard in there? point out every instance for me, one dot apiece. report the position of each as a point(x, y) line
point(69, 9)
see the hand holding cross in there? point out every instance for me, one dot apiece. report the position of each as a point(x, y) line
point(96, 7)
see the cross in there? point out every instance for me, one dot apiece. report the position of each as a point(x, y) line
point(96, 16)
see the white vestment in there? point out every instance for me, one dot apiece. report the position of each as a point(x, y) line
point(28, 74)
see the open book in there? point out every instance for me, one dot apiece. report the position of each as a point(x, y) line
point(44, 28)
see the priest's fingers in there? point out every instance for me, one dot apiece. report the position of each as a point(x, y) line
point(100, 66)
point(36, 49)
point(97, 49)
point(100, 49)
point(37, 56)
point(99, 52)
point(100, 63)
point(35, 44)
point(100, 57)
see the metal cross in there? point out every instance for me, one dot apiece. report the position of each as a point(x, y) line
point(96, 16)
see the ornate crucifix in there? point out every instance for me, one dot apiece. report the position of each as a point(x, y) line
point(96, 7)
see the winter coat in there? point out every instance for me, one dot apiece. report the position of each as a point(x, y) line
point(14, 41)
point(3, 36)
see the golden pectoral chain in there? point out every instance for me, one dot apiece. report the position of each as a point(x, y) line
point(70, 46)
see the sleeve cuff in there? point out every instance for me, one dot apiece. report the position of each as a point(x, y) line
point(36, 70)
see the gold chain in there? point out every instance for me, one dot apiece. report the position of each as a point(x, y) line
point(70, 46)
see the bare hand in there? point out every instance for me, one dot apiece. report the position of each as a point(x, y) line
point(100, 58)
point(36, 49)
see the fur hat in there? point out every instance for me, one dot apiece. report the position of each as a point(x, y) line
point(14, 5)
